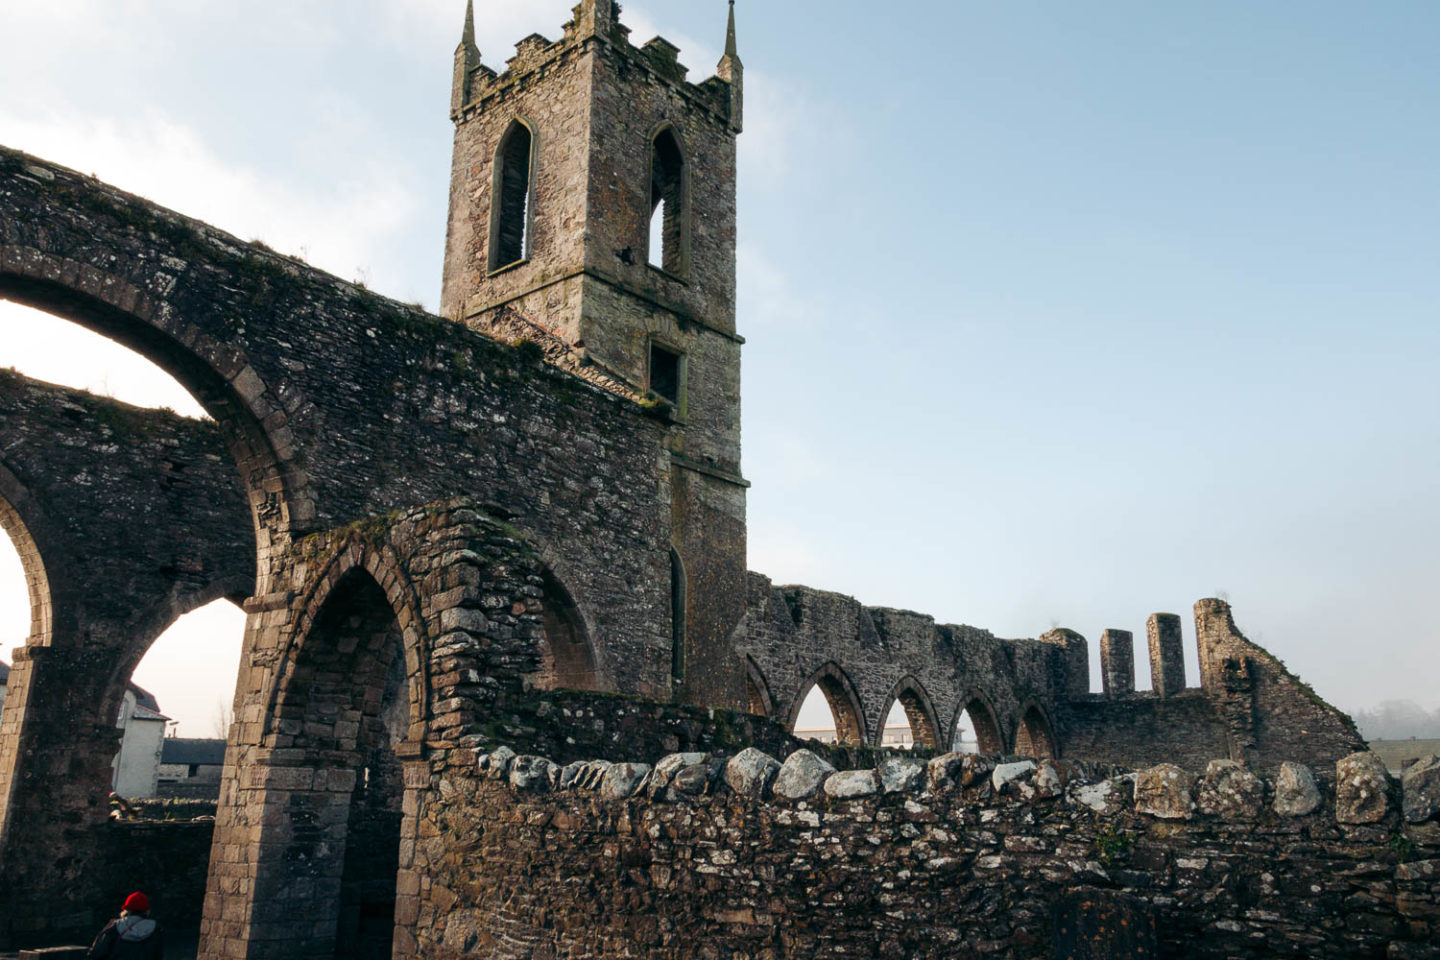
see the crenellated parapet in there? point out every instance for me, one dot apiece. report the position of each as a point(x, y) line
point(595, 24)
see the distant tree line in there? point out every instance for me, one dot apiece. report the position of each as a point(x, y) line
point(1398, 720)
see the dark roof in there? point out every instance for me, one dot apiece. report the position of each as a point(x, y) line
point(208, 752)
point(144, 698)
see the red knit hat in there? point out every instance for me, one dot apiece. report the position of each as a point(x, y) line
point(137, 902)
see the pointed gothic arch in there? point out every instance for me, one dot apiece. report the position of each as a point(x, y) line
point(669, 231)
point(758, 700)
point(349, 701)
point(1035, 737)
point(988, 738)
point(21, 518)
point(567, 654)
point(844, 700)
point(512, 195)
point(290, 683)
point(679, 608)
point(919, 712)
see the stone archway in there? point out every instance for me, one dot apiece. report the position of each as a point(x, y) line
point(111, 560)
point(844, 701)
point(221, 379)
point(919, 713)
point(988, 738)
point(21, 518)
point(758, 700)
point(331, 703)
point(1035, 736)
point(347, 697)
point(348, 704)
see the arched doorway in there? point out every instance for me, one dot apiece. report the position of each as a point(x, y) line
point(344, 709)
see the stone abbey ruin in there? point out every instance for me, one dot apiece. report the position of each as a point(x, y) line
point(508, 689)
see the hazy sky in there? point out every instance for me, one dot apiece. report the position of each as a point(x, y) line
point(1058, 312)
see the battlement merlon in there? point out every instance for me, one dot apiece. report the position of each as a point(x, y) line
point(596, 22)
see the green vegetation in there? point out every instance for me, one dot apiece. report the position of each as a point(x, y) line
point(528, 350)
point(1111, 844)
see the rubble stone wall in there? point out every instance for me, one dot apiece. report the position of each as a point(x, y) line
point(167, 860)
point(740, 857)
point(128, 519)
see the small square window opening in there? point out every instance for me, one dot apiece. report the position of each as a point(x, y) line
point(665, 373)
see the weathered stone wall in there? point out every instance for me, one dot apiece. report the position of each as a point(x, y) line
point(127, 519)
point(1249, 706)
point(567, 725)
point(593, 104)
point(792, 634)
point(165, 860)
point(703, 857)
point(1184, 729)
point(1267, 710)
point(338, 405)
point(138, 515)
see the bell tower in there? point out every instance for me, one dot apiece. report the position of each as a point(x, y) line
point(592, 209)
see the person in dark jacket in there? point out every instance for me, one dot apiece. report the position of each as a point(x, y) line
point(134, 936)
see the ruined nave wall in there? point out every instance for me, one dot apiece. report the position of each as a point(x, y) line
point(1247, 707)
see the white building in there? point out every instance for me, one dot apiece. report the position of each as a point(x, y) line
point(137, 765)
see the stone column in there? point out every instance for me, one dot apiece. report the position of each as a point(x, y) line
point(1117, 662)
point(1074, 678)
point(56, 745)
point(1167, 654)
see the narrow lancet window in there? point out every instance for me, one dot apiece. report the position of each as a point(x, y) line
point(677, 617)
point(510, 222)
point(667, 204)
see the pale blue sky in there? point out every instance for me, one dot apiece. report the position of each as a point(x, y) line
point(1058, 312)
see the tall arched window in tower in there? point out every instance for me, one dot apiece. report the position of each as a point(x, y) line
point(677, 616)
point(668, 237)
point(511, 197)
